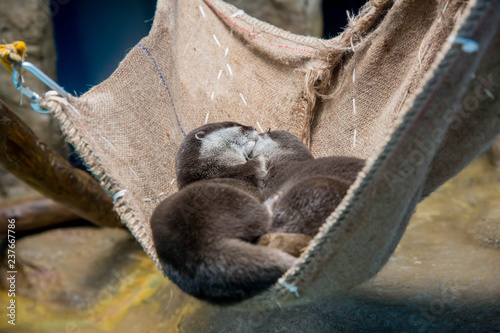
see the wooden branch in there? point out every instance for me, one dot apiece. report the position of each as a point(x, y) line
point(33, 162)
point(33, 214)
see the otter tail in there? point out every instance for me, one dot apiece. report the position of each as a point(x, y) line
point(205, 238)
point(238, 270)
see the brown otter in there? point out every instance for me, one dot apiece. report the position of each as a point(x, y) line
point(302, 191)
point(220, 150)
point(205, 234)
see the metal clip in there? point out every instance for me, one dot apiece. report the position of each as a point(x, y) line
point(19, 84)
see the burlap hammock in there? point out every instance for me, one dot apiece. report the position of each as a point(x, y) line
point(410, 85)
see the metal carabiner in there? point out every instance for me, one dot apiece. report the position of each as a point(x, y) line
point(19, 84)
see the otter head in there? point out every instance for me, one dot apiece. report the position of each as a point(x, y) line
point(280, 143)
point(213, 146)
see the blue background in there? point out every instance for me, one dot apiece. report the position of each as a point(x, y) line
point(92, 37)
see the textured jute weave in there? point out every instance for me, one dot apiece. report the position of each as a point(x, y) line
point(411, 85)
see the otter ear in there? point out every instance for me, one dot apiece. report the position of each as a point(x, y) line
point(200, 135)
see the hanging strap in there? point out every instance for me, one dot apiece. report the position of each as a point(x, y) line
point(11, 54)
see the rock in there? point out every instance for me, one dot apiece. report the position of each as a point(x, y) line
point(31, 22)
point(13, 189)
point(486, 231)
point(303, 17)
point(71, 266)
point(494, 153)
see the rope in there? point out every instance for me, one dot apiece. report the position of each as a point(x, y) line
point(12, 54)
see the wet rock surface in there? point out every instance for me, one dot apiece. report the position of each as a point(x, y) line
point(71, 266)
point(29, 21)
point(486, 231)
point(494, 153)
point(443, 277)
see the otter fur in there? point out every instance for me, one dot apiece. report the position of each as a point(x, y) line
point(302, 191)
point(205, 235)
point(221, 151)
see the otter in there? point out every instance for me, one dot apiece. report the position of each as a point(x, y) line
point(221, 151)
point(300, 190)
point(206, 234)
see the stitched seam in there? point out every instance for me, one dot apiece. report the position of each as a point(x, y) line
point(253, 36)
point(164, 83)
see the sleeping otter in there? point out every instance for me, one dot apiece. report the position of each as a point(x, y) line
point(300, 190)
point(205, 234)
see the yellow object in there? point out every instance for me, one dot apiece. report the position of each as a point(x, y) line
point(12, 53)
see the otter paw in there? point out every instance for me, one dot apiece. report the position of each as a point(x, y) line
point(270, 203)
point(293, 244)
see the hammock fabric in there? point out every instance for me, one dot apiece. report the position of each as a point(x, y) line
point(411, 85)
